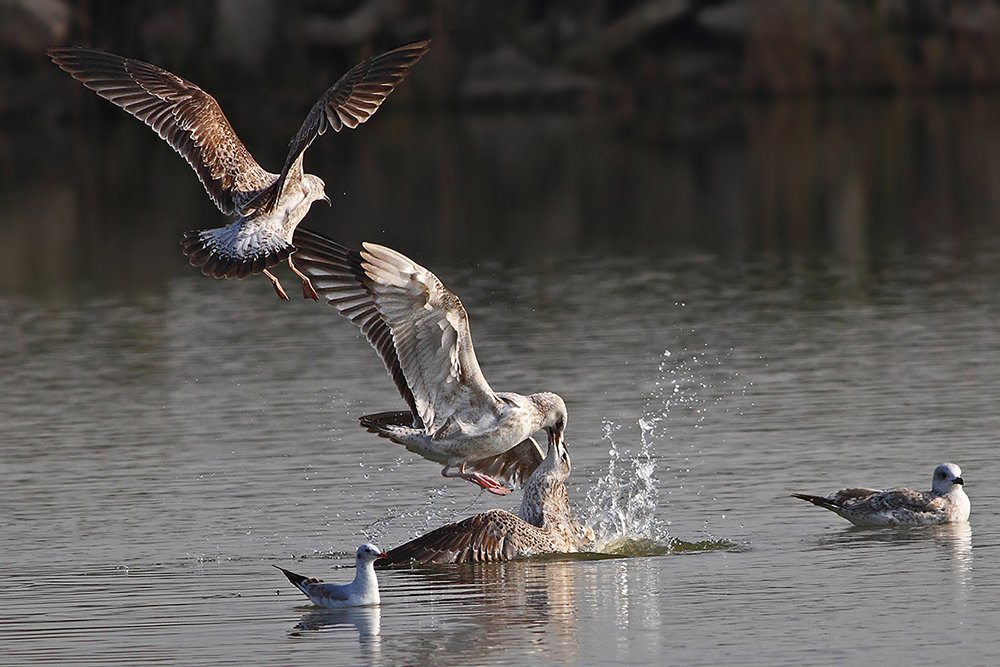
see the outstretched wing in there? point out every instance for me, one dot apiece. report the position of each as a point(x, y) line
point(185, 116)
point(336, 274)
point(352, 100)
point(515, 465)
point(428, 325)
point(484, 538)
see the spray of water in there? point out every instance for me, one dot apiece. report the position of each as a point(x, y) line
point(623, 503)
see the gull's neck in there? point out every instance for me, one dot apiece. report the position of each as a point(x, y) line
point(365, 582)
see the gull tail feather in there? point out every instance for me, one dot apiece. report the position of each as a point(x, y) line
point(219, 254)
point(819, 501)
point(297, 580)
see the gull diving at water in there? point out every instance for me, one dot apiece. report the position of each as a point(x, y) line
point(421, 331)
point(945, 503)
point(543, 524)
point(267, 206)
point(362, 591)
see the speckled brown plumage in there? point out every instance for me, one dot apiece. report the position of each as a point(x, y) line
point(268, 206)
point(543, 524)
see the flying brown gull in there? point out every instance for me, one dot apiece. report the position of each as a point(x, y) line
point(946, 502)
point(362, 591)
point(543, 524)
point(267, 206)
point(421, 330)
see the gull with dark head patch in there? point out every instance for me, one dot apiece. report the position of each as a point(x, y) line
point(945, 503)
point(360, 592)
point(421, 331)
point(267, 206)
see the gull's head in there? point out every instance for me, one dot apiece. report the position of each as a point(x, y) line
point(556, 465)
point(946, 477)
point(369, 553)
point(562, 464)
point(554, 415)
point(314, 188)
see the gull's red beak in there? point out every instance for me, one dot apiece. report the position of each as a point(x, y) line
point(384, 554)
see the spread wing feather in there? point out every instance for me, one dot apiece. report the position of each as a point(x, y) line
point(352, 100)
point(418, 326)
point(430, 330)
point(515, 465)
point(336, 275)
point(484, 538)
point(181, 113)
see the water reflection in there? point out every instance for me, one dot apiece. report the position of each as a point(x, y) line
point(846, 182)
point(366, 621)
point(500, 604)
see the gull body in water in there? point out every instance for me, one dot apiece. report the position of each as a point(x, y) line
point(360, 592)
point(267, 206)
point(421, 331)
point(543, 524)
point(945, 503)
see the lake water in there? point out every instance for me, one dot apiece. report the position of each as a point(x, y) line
point(792, 298)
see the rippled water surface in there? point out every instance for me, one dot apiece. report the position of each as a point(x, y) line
point(166, 438)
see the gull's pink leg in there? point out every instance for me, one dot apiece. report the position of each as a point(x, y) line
point(482, 481)
point(277, 285)
point(307, 289)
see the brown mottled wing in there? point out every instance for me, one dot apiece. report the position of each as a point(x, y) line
point(484, 538)
point(515, 465)
point(185, 116)
point(336, 274)
point(851, 496)
point(352, 100)
point(899, 500)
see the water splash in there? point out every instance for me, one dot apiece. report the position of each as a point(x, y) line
point(622, 505)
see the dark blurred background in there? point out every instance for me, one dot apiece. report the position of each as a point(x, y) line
point(817, 131)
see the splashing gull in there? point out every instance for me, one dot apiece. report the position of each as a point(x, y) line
point(267, 206)
point(362, 591)
point(542, 525)
point(946, 502)
point(421, 330)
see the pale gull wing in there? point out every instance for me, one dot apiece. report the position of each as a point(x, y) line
point(336, 274)
point(515, 465)
point(430, 330)
point(484, 538)
point(319, 592)
point(418, 326)
point(352, 100)
point(185, 116)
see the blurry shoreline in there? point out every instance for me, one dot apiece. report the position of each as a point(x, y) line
point(525, 55)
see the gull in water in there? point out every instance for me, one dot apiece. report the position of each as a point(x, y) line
point(362, 591)
point(267, 206)
point(945, 503)
point(542, 525)
point(421, 331)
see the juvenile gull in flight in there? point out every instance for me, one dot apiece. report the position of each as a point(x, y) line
point(946, 502)
point(267, 206)
point(362, 591)
point(421, 330)
point(542, 525)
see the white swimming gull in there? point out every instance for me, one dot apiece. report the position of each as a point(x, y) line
point(543, 524)
point(421, 331)
point(267, 206)
point(362, 591)
point(945, 503)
